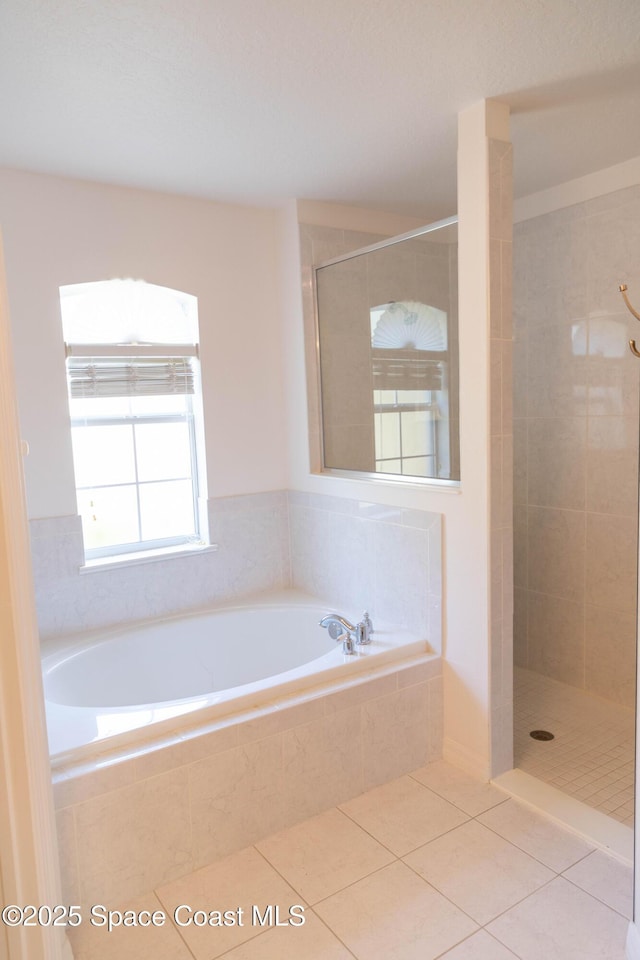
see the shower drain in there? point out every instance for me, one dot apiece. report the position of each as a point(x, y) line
point(541, 735)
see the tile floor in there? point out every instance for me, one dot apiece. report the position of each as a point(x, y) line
point(432, 865)
point(592, 755)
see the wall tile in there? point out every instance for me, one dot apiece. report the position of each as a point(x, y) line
point(66, 834)
point(557, 370)
point(419, 673)
point(322, 764)
point(436, 720)
point(556, 638)
point(520, 548)
point(556, 458)
point(613, 240)
point(236, 798)
point(520, 351)
point(252, 532)
point(506, 271)
point(520, 462)
point(91, 780)
point(401, 556)
point(506, 519)
point(520, 628)
point(612, 562)
point(357, 693)
point(132, 839)
point(574, 373)
point(391, 569)
point(506, 351)
point(273, 721)
point(187, 750)
point(495, 289)
point(610, 655)
point(612, 465)
point(613, 382)
point(557, 543)
point(497, 492)
point(395, 734)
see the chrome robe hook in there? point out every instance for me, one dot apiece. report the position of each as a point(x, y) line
point(632, 344)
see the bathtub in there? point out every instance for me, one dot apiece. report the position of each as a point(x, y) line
point(134, 683)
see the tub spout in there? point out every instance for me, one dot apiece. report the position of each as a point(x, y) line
point(336, 625)
point(346, 633)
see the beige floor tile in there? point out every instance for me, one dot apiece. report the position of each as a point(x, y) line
point(606, 879)
point(91, 942)
point(403, 814)
point(242, 880)
point(480, 946)
point(536, 835)
point(394, 915)
point(324, 854)
point(478, 870)
point(313, 941)
point(561, 922)
point(472, 796)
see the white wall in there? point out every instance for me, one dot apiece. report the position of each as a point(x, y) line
point(59, 231)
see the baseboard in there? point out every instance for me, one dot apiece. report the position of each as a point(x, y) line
point(463, 758)
point(632, 946)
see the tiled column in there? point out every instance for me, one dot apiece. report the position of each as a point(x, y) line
point(501, 452)
point(478, 649)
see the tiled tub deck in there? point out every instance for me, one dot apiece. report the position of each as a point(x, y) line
point(129, 822)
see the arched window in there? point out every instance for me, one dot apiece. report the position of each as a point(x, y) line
point(134, 398)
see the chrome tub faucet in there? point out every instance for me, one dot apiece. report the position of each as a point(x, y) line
point(342, 631)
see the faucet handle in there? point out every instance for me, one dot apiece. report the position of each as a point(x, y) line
point(364, 629)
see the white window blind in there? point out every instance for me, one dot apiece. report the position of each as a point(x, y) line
point(129, 376)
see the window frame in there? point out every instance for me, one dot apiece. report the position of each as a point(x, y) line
point(172, 351)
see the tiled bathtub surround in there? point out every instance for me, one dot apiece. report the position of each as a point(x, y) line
point(576, 444)
point(129, 823)
point(253, 554)
point(384, 559)
point(358, 554)
point(128, 826)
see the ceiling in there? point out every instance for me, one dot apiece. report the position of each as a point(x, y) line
point(352, 101)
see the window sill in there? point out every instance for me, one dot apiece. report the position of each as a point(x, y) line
point(146, 556)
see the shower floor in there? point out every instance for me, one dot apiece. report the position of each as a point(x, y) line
point(591, 756)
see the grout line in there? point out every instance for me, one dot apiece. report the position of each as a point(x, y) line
point(174, 926)
point(400, 856)
point(333, 933)
point(444, 896)
point(596, 897)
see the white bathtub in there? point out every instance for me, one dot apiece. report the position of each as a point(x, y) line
point(134, 682)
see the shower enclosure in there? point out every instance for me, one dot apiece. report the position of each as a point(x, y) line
point(576, 388)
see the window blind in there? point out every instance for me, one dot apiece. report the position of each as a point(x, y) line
point(129, 376)
point(406, 370)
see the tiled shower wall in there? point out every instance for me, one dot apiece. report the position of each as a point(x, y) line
point(356, 554)
point(576, 444)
